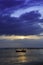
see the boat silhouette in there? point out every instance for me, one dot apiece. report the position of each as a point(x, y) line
point(20, 50)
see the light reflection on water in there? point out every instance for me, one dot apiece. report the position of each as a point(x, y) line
point(22, 57)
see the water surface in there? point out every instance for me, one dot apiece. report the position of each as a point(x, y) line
point(10, 56)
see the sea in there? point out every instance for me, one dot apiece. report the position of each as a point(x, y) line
point(9, 56)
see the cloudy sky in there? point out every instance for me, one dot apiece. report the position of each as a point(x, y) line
point(21, 23)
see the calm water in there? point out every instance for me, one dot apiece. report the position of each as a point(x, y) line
point(11, 57)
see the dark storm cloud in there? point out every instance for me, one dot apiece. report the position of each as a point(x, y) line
point(25, 25)
point(31, 16)
point(38, 0)
point(17, 3)
point(10, 3)
point(8, 6)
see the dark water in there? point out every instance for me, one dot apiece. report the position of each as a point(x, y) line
point(30, 57)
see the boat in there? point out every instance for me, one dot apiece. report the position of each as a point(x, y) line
point(20, 50)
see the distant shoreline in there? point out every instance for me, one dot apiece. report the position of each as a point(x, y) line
point(19, 48)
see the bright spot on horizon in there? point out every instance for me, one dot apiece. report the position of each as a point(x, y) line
point(22, 37)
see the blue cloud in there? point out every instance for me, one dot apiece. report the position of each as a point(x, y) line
point(10, 3)
point(26, 24)
point(31, 16)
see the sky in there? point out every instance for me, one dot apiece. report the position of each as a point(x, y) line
point(21, 23)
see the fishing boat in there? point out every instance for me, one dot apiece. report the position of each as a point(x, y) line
point(20, 50)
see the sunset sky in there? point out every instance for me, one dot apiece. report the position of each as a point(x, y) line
point(21, 23)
